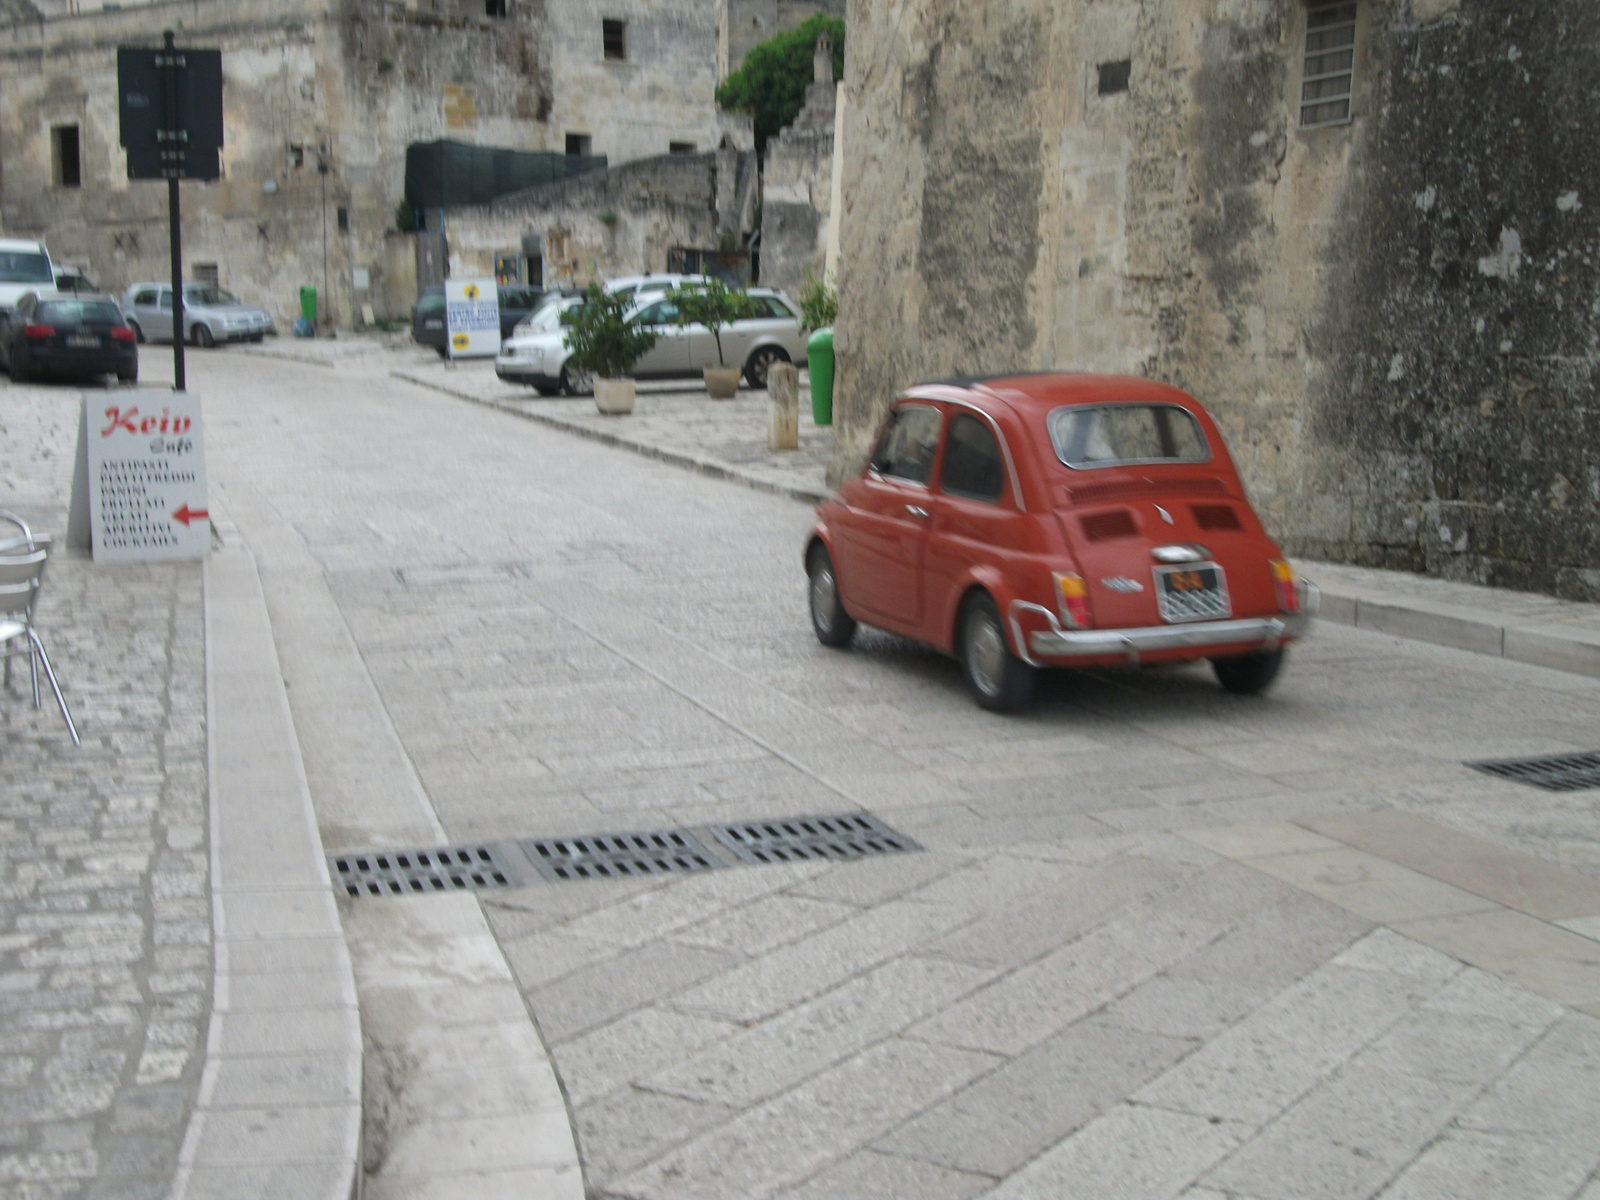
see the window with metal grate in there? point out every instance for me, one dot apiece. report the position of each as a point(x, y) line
point(614, 38)
point(1328, 81)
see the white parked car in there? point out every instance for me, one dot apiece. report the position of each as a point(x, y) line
point(24, 267)
point(630, 285)
point(210, 314)
point(536, 354)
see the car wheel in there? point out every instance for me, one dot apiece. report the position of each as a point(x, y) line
point(258, 337)
point(547, 389)
point(443, 351)
point(997, 679)
point(577, 383)
point(131, 375)
point(1249, 674)
point(138, 334)
point(761, 360)
point(834, 627)
point(19, 372)
point(202, 337)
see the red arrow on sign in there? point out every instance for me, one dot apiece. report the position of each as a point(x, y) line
point(187, 514)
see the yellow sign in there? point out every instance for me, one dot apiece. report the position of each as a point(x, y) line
point(472, 291)
point(460, 341)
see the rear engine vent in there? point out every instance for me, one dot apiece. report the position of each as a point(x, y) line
point(1216, 516)
point(1103, 526)
point(1127, 489)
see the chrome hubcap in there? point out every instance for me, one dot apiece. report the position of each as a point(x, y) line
point(986, 654)
point(823, 599)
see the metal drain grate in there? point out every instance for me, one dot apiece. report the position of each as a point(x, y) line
point(796, 839)
point(619, 855)
point(408, 872)
point(1553, 772)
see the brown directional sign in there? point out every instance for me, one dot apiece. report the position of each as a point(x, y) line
point(170, 104)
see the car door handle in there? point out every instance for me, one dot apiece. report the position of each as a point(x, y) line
point(916, 511)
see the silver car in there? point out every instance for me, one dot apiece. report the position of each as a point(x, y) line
point(210, 314)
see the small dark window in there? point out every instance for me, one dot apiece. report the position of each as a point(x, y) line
point(680, 147)
point(494, 8)
point(614, 36)
point(906, 451)
point(972, 466)
point(297, 155)
point(1114, 77)
point(578, 143)
point(68, 162)
point(343, 217)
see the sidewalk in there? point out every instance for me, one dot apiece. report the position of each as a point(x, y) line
point(676, 423)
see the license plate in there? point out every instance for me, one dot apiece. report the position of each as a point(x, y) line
point(82, 339)
point(433, 324)
point(1192, 593)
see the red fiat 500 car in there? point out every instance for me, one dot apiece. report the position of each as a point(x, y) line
point(1055, 520)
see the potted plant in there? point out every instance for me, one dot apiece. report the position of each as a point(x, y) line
point(715, 305)
point(602, 341)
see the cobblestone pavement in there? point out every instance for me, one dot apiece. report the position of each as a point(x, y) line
point(105, 927)
point(1159, 941)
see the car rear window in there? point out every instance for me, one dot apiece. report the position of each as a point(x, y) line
point(80, 310)
point(1107, 435)
point(17, 266)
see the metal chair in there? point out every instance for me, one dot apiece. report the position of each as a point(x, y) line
point(22, 562)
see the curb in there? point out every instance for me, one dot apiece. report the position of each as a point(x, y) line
point(279, 1107)
point(678, 458)
point(1539, 644)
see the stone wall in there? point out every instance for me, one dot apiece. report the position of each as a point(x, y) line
point(621, 221)
point(796, 185)
point(1396, 320)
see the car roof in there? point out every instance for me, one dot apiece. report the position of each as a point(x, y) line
point(46, 295)
point(1043, 391)
point(20, 244)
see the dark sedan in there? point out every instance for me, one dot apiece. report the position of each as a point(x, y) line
point(428, 318)
point(65, 333)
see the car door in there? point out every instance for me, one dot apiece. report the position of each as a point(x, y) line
point(670, 355)
point(159, 327)
point(881, 540)
point(975, 520)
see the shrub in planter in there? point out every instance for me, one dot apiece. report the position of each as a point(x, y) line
point(602, 341)
point(715, 305)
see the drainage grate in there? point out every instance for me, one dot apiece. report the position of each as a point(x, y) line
point(1553, 772)
point(619, 855)
point(795, 839)
point(405, 872)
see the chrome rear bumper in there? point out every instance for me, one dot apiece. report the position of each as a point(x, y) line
point(1253, 633)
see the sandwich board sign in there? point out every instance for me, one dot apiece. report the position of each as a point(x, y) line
point(472, 317)
point(139, 486)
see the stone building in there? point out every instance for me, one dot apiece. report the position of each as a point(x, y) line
point(797, 183)
point(1363, 231)
point(741, 24)
point(321, 99)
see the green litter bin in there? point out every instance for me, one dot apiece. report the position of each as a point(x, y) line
point(308, 304)
point(819, 361)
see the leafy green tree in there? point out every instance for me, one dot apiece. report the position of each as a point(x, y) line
point(819, 304)
point(713, 304)
point(601, 337)
point(770, 84)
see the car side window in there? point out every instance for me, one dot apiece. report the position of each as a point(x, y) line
point(777, 310)
point(660, 313)
point(166, 299)
point(972, 466)
point(906, 451)
point(146, 297)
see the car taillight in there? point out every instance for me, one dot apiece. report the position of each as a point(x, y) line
point(1288, 588)
point(1072, 598)
point(38, 331)
point(122, 333)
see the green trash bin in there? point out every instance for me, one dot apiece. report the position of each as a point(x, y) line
point(819, 361)
point(308, 304)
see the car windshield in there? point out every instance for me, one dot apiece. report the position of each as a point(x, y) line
point(17, 266)
point(1111, 434)
point(64, 311)
point(207, 294)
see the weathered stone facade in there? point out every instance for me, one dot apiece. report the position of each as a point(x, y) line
point(796, 186)
point(622, 221)
point(321, 99)
point(1396, 319)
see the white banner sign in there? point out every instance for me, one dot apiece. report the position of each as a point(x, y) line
point(140, 482)
point(472, 317)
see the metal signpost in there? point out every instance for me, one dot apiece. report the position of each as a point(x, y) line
point(170, 104)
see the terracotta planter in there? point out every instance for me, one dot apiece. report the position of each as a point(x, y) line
point(614, 397)
point(722, 383)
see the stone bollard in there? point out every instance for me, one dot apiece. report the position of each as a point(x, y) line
point(783, 408)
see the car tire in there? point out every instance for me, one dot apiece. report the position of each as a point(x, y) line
point(997, 678)
point(129, 376)
point(833, 626)
point(547, 389)
point(19, 373)
point(138, 334)
point(258, 337)
point(577, 383)
point(443, 351)
point(201, 336)
point(760, 362)
point(1249, 674)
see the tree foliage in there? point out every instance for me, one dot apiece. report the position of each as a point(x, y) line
point(713, 304)
point(600, 336)
point(819, 304)
point(770, 84)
